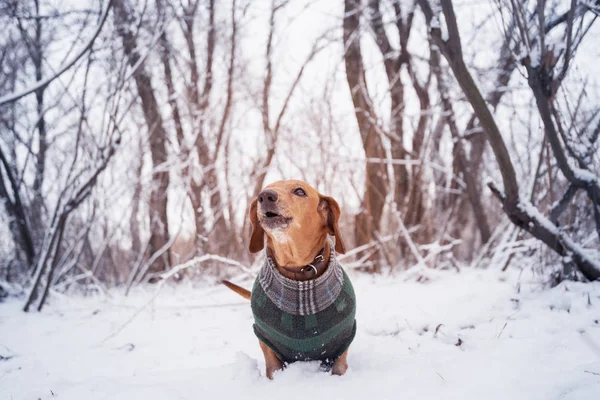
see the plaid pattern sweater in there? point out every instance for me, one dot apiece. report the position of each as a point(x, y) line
point(305, 333)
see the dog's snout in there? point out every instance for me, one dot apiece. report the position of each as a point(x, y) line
point(267, 196)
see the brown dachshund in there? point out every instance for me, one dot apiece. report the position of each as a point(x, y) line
point(303, 303)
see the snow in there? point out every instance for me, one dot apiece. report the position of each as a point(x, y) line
point(518, 340)
point(535, 55)
point(585, 175)
point(536, 215)
point(438, 21)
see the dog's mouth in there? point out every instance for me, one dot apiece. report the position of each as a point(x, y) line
point(274, 221)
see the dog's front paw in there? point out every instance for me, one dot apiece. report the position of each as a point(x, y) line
point(339, 368)
point(271, 370)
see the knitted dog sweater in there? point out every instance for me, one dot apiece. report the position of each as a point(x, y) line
point(322, 324)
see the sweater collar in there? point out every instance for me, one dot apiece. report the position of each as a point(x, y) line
point(302, 297)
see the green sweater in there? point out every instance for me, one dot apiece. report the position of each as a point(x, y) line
point(323, 336)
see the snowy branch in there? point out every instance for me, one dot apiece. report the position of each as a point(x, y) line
point(41, 84)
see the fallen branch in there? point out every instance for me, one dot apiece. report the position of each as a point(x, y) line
point(366, 246)
point(198, 260)
point(524, 215)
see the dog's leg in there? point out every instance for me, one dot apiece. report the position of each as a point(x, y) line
point(272, 362)
point(340, 365)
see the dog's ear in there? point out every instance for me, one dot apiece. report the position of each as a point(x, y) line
point(330, 210)
point(257, 237)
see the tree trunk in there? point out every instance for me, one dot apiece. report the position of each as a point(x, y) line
point(460, 155)
point(134, 225)
point(37, 204)
point(393, 69)
point(18, 224)
point(415, 207)
point(159, 226)
point(208, 183)
point(367, 222)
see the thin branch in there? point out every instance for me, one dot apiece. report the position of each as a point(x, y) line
point(562, 204)
point(42, 84)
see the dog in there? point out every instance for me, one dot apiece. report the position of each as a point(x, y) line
point(302, 301)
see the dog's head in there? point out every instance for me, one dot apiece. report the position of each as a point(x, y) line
point(293, 211)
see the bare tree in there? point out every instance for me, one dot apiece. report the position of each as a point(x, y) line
point(367, 222)
point(521, 212)
point(22, 190)
point(19, 222)
point(174, 99)
point(545, 77)
point(52, 252)
point(394, 60)
point(159, 224)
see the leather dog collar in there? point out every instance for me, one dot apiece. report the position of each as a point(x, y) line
point(315, 268)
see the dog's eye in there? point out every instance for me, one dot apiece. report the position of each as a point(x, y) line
point(300, 192)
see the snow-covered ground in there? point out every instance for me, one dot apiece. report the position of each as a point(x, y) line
point(470, 335)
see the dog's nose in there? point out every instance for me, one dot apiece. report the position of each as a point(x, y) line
point(267, 196)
